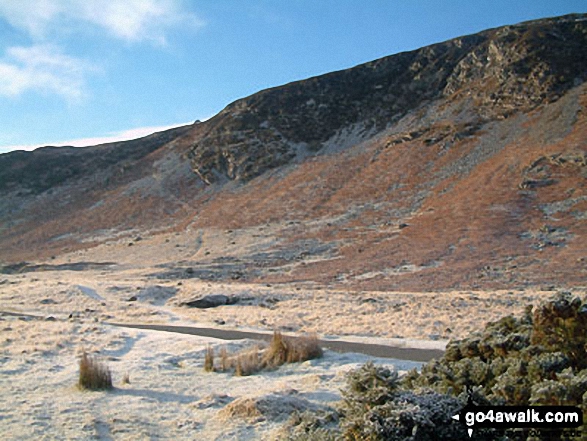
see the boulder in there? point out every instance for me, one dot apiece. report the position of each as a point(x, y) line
point(211, 301)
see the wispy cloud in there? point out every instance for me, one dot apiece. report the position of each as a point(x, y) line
point(138, 20)
point(124, 135)
point(129, 20)
point(43, 68)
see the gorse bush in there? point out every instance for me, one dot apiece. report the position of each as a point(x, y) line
point(375, 407)
point(537, 359)
point(561, 325)
point(93, 375)
point(368, 387)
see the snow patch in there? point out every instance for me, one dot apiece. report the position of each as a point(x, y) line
point(90, 292)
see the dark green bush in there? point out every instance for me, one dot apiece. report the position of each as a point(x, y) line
point(513, 355)
point(561, 325)
point(374, 407)
point(537, 359)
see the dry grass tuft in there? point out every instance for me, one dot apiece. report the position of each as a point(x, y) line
point(209, 360)
point(244, 407)
point(284, 349)
point(126, 378)
point(271, 407)
point(224, 361)
point(93, 375)
point(248, 363)
point(281, 350)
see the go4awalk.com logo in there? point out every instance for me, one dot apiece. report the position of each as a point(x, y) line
point(549, 418)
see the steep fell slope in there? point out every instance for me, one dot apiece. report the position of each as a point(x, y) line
point(54, 199)
point(459, 165)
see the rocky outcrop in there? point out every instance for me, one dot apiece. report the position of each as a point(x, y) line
point(492, 74)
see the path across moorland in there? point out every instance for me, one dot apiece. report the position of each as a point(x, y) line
point(374, 350)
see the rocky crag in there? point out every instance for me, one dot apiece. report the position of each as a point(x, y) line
point(488, 76)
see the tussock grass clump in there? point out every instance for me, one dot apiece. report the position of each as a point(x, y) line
point(209, 360)
point(282, 349)
point(248, 363)
point(272, 407)
point(93, 374)
point(224, 361)
point(312, 425)
point(244, 407)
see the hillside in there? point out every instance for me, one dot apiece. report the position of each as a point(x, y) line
point(462, 165)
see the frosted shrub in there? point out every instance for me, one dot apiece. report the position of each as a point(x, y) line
point(375, 408)
point(536, 359)
point(315, 425)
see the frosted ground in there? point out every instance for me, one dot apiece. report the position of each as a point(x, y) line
point(169, 395)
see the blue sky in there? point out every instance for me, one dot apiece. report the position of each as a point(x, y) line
point(87, 71)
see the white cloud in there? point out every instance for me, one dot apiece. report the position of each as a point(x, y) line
point(137, 20)
point(128, 20)
point(124, 135)
point(29, 15)
point(42, 68)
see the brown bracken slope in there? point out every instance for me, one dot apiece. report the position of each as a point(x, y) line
point(459, 165)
